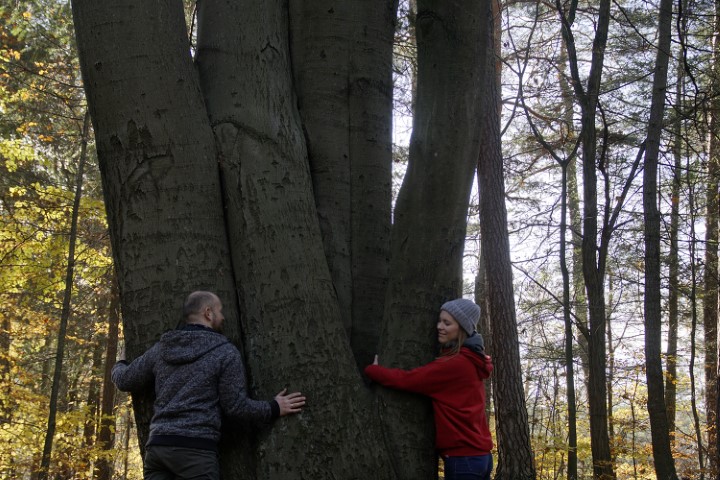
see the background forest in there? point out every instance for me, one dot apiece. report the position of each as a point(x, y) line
point(60, 320)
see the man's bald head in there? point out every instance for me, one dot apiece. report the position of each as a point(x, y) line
point(196, 305)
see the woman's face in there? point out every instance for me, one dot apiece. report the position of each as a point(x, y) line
point(447, 327)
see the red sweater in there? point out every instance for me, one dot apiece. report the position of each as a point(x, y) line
point(455, 385)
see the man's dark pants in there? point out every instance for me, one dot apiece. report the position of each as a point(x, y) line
point(180, 463)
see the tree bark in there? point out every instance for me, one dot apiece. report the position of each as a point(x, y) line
point(342, 70)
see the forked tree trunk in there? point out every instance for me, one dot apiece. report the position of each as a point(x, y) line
point(249, 230)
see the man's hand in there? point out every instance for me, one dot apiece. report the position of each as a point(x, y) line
point(290, 402)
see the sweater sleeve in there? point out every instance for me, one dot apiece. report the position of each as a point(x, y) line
point(234, 399)
point(429, 379)
point(135, 376)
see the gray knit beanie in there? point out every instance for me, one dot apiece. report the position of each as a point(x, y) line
point(464, 311)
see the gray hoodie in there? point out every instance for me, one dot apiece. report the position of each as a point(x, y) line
point(198, 377)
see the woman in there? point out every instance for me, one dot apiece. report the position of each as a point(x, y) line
point(454, 382)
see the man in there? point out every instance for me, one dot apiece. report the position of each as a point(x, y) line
point(199, 377)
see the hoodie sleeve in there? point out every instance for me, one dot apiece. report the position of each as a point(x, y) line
point(135, 376)
point(487, 368)
point(234, 399)
point(428, 380)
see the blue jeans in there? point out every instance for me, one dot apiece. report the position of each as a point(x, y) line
point(468, 468)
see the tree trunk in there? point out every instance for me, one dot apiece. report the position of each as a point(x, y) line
point(710, 297)
point(286, 290)
point(662, 454)
point(159, 168)
point(93, 398)
point(44, 470)
point(569, 355)
point(430, 214)
point(106, 433)
point(593, 252)
point(515, 457)
point(343, 81)
point(6, 400)
point(571, 205)
point(693, 299)
point(673, 260)
point(579, 299)
point(610, 369)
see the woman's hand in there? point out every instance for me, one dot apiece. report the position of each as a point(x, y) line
point(375, 362)
point(290, 403)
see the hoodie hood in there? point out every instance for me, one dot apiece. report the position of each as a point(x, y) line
point(475, 351)
point(185, 346)
point(475, 343)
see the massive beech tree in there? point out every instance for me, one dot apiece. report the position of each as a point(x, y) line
point(257, 165)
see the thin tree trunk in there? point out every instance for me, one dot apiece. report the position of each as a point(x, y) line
point(44, 470)
point(571, 199)
point(93, 398)
point(579, 299)
point(714, 156)
point(569, 355)
point(673, 259)
point(106, 435)
point(515, 456)
point(610, 368)
point(6, 399)
point(694, 323)
point(710, 297)
point(594, 253)
point(662, 454)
